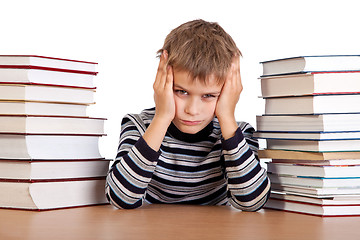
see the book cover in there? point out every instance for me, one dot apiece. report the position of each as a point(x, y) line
point(302, 155)
point(48, 170)
point(49, 146)
point(25, 107)
point(313, 104)
point(42, 124)
point(308, 170)
point(46, 93)
point(42, 195)
point(30, 75)
point(314, 145)
point(317, 63)
point(312, 83)
point(47, 63)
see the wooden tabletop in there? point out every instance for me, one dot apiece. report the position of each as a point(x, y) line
point(172, 222)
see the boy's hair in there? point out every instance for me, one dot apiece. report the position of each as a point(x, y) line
point(201, 48)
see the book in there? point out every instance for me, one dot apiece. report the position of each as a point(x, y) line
point(309, 135)
point(301, 155)
point(330, 200)
point(46, 77)
point(319, 162)
point(313, 104)
point(52, 169)
point(39, 124)
point(309, 123)
point(315, 182)
point(310, 83)
point(313, 145)
point(41, 108)
point(47, 63)
point(37, 146)
point(328, 207)
point(317, 192)
point(308, 170)
point(46, 93)
point(319, 63)
point(46, 195)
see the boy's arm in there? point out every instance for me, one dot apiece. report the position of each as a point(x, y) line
point(164, 102)
point(230, 94)
point(137, 156)
point(129, 176)
point(248, 184)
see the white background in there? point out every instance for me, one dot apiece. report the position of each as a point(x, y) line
point(123, 37)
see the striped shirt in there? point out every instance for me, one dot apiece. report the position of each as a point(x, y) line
point(200, 168)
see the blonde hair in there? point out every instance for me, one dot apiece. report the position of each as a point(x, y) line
point(202, 48)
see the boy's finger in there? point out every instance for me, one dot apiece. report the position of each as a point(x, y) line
point(161, 72)
point(169, 77)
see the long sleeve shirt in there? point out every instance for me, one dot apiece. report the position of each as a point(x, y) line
point(200, 168)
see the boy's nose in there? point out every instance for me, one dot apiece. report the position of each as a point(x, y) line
point(192, 107)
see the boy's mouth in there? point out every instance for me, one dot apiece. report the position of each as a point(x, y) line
point(190, 123)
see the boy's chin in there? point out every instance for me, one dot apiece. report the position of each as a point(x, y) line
point(189, 129)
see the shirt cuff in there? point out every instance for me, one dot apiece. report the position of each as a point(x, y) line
point(233, 142)
point(146, 151)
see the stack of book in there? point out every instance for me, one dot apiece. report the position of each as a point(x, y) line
point(312, 130)
point(49, 153)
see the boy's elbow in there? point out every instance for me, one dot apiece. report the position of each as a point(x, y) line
point(246, 208)
point(251, 204)
point(119, 203)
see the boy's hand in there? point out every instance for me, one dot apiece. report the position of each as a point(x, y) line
point(230, 94)
point(163, 91)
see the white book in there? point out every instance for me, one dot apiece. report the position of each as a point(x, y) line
point(313, 104)
point(309, 135)
point(310, 83)
point(337, 171)
point(38, 124)
point(46, 62)
point(45, 93)
point(313, 145)
point(309, 123)
point(41, 108)
point(22, 146)
point(319, 63)
point(315, 182)
point(52, 195)
point(317, 192)
point(313, 209)
point(308, 156)
point(309, 161)
point(53, 169)
point(333, 200)
point(13, 75)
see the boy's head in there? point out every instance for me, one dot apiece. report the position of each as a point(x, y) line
point(201, 54)
point(200, 48)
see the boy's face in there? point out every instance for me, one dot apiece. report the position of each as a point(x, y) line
point(195, 101)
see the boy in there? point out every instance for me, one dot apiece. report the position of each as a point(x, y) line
point(189, 149)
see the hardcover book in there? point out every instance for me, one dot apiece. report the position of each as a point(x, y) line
point(46, 195)
point(319, 63)
point(310, 83)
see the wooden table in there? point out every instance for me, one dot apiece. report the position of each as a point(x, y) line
point(172, 222)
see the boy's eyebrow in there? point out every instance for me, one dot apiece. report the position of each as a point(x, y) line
point(210, 93)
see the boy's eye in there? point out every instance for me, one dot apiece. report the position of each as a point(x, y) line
point(209, 96)
point(181, 92)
